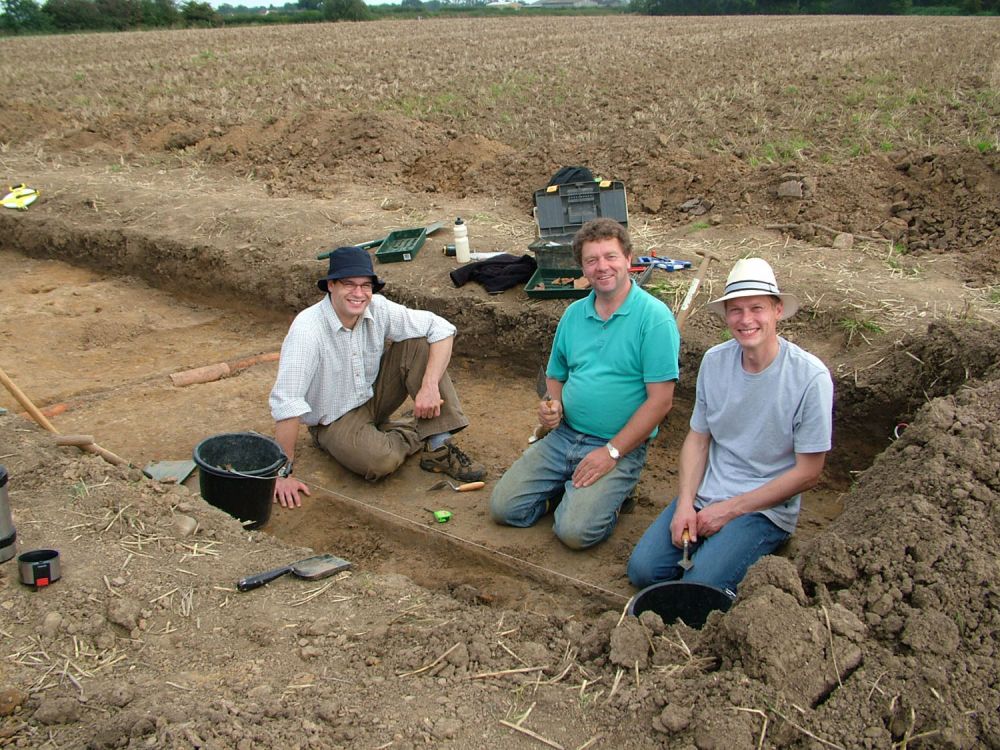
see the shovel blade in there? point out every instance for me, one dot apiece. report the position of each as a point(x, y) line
point(320, 566)
point(685, 561)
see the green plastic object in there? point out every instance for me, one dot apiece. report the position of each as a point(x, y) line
point(545, 277)
point(442, 516)
point(401, 245)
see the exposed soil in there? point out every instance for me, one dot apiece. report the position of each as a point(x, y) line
point(171, 236)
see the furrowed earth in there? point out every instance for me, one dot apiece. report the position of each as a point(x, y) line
point(189, 179)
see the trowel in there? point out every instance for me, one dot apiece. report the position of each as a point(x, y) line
point(685, 561)
point(467, 487)
point(542, 389)
point(319, 566)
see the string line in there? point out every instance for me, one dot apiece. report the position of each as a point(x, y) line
point(469, 542)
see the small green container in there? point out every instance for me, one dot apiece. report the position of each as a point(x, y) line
point(403, 244)
point(546, 276)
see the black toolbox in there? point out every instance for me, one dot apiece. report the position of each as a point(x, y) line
point(560, 210)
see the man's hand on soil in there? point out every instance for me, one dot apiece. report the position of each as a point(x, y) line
point(286, 492)
point(594, 465)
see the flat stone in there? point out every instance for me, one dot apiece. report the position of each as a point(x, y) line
point(790, 189)
point(843, 241)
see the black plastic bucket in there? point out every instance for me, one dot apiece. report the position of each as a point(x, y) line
point(681, 600)
point(236, 473)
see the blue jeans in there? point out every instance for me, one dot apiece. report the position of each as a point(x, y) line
point(584, 516)
point(720, 560)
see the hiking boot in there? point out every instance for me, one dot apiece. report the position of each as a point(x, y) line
point(451, 461)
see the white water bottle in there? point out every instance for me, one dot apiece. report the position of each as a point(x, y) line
point(461, 241)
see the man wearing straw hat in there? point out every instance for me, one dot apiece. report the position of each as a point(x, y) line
point(338, 375)
point(761, 426)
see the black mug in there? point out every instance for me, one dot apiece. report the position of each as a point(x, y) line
point(39, 567)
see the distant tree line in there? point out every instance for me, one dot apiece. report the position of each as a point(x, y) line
point(32, 16)
point(788, 7)
point(20, 16)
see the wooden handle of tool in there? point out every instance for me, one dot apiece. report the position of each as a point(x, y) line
point(685, 309)
point(104, 453)
point(24, 401)
point(29, 407)
point(470, 486)
point(686, 537)
point(76, 440)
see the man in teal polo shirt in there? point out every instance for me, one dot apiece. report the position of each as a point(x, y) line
point(611, 380)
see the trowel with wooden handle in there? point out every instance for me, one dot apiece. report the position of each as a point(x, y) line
point(685, 562)
point(542, 389)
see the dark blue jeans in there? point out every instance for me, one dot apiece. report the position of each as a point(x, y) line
point(585, 515)
point(720, 560)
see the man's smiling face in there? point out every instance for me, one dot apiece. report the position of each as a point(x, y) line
point(606, 266)
point(753, 320)
point(350, 297)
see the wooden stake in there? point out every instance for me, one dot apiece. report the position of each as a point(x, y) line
point(219, 370)
point(206, 374)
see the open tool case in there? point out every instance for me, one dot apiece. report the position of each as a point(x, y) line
point(560, 210)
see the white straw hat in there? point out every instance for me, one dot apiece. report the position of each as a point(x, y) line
point(752, 277)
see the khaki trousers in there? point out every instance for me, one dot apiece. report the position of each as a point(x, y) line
point(364, 441)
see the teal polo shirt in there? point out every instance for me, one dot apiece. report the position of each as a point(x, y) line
point(604, 365)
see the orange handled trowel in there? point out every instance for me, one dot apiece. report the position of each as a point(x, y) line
point(467, 487)
point(686, 560)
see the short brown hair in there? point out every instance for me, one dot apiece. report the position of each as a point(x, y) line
point(601, 229)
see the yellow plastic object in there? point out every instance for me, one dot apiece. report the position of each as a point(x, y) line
point(19, 197)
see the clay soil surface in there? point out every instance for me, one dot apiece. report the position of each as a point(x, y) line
point(188, 181)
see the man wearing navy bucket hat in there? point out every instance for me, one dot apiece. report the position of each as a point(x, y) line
point(759, 433)
point(348, 362)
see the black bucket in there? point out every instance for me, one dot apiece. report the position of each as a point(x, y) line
point(681, 600)
point(236, 473)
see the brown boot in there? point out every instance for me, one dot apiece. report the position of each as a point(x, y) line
point(449, 460)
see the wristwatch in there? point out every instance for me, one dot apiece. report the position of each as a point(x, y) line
point(615, 454)
point(285, 471)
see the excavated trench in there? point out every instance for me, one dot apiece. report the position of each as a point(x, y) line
point(93, 337)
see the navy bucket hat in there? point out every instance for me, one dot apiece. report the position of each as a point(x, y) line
point(346, 262)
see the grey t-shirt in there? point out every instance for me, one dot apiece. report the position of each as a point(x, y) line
point(759, 421)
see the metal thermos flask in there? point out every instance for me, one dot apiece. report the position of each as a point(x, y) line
point(7, 533)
